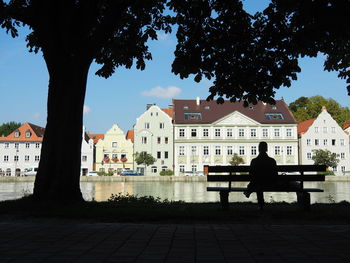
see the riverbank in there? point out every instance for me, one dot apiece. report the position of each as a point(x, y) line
point(339, 178)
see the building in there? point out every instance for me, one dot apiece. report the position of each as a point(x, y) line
point(324, 133)
point(113, 152)
point(21, 150)
point(346, 127)
point(207, 133)
point(95, 137)
point(153, 133)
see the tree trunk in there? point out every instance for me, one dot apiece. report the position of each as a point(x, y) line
point(58, 177)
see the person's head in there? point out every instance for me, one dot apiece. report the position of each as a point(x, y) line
point(263, 147)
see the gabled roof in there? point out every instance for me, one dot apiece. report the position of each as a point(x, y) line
point(36, 133)
point(169, 111)
point(346, 125)
point(130, 135)
point(304, 125)
point(210, 111)
point(96, 137)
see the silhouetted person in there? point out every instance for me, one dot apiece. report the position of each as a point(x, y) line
point(263, 170)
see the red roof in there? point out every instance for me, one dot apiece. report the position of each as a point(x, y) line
point(304, 125)
point(130, 135)
point(96, 137)
point(36, 134)
point(169, 111)
point(346, 125)
point(210, 111)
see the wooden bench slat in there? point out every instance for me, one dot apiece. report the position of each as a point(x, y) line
point(246, 178)
point(242, 189)
point(280, 168)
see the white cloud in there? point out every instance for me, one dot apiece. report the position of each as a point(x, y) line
point(87, 109)
point(164, 93)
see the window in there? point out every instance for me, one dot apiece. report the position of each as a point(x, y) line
point(229, 150)
point(26, 158)
point(181, 150)
point(166, 140)
point(16, 145)
point(28, 134)
point(325, 129)
point(154, 169)
point(229, 132)
point(182, 168)
point(253, 150)
point(277, 132)
point(114, 144)
point(16, 134)
point(37, 158)
point(342, 143)
point(289, 150)
point(309, 156)
point(316, 142)
point(240, 132)
point(159, 155)
point(205, 150)
point(342, 156)
point(217, 132)
point(144, 140)
point(343, 169)
point(194, 150)
point(277, 150)
point(192, 116)
point(325, 142)
point(166, 155)
point(146, 125)
point(194, 168)
point(84, 158)
point(193, 132)
point(181, 132)
point(274, 116)
point(265, 133)
point(114, 156)
point(308, 142)
point(161, 125)
point(205, 132)
point(185, 107)
point(334, 168)
point(6, 158)
point(27, 145)
point(16, 158)
point(316, 129)
point(241, 150)
point(252, 132)
point(206, 107)
point(101, 170)
point(333, 129)
point(37, 145)
point(8, 172)
point(7, 145)
point(158, 140)
point(289, 132)
point(217, 150)
point(333, 142)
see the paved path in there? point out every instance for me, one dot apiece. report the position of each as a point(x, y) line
point(21, 241)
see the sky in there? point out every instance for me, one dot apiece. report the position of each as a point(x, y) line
point(123, 97)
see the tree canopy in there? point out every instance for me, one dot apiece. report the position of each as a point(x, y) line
point(8, 127)
point(307, 108)
point(325, 157)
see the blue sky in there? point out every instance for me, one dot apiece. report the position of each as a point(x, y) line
point(123, 97)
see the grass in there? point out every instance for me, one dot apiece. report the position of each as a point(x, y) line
point(136, 209)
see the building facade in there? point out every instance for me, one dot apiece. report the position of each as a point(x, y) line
point(324, 133)
point(153, 133)
point(87, 153)
point(207, 133)
point(114, 152)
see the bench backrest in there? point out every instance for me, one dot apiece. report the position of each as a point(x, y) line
point(228, 172)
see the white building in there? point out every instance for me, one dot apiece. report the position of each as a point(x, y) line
point(87, 153)
point(153, 133)
point(324, 133)
point(21, 150)
point(207, 133)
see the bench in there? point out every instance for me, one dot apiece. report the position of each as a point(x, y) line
point(231, 174)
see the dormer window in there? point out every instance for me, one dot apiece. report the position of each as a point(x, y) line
point(274, 116)
point(185, 107)
point(274, 107)
point(193, 116)
point(17, 134)
point(28, 134)
point(206, 107)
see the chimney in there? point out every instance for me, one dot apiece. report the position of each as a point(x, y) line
point(198, 101)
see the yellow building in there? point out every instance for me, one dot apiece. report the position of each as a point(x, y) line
point(114, 152)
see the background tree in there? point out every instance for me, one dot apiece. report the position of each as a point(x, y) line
point(144, 158)
point(236, 159)
point(307, 108)
point(8, 127)
point(325, 157)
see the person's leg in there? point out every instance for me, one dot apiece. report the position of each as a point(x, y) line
point(260, 197)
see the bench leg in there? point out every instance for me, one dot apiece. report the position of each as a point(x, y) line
point(260, 197)
point(304, 200)
point(224, 200)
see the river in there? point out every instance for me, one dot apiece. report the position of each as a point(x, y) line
point(186, 191)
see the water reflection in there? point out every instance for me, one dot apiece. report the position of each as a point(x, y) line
point(186, 191)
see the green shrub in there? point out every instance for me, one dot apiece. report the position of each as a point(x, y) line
point(166, 173)
point(144, 200)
